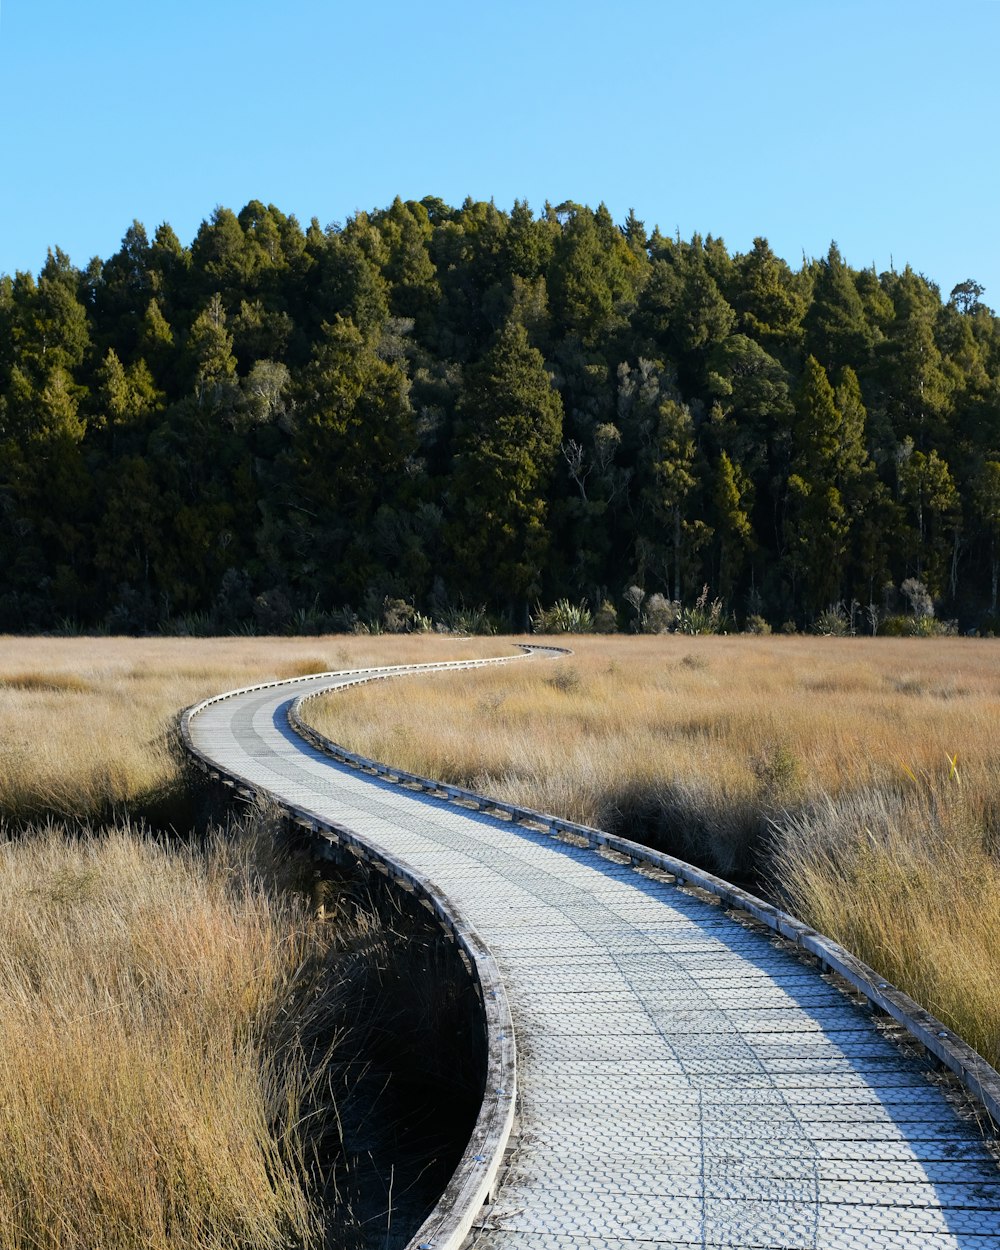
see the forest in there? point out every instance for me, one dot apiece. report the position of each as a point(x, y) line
point(462, 416)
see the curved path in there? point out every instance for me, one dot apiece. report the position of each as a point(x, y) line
point(683, 1080)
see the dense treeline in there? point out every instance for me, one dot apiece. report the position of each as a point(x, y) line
point(280, 429)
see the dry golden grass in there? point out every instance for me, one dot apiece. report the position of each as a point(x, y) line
point(143, 1099)
point(86, 723)
point(910, 880)
point(724, 729)
point(859, 774)
point(142, 1103)
point(870, 765)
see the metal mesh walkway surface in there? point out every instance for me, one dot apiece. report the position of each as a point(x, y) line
point(682, 1080)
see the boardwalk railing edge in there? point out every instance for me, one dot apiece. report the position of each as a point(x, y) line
point(971, 1069)
point(472, 1183)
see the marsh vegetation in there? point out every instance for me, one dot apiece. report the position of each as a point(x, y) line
point(189, 1055)
point(853, 779)
point(155, 998)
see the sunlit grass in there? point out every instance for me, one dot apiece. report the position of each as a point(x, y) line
point(143, 1100)
point(856, 777)
point(86, 724)
point(152, 1000)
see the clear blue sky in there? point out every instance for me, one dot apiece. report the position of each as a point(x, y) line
point(873, 123)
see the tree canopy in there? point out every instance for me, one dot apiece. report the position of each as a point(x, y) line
point(281, 427)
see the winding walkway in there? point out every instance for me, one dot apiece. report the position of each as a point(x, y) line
point(683, 1080)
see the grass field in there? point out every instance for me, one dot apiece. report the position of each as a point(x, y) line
point(86, 723)
point(150, 1094)
point(857, 778)
point(154, 998)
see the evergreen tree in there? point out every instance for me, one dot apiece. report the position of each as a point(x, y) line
point(928, 491)
point(768, 304)
point(986, 499)
point(731, 523)
point(354, 411)
point(837, 332)
point(817, 525)
point(592, 274)
point(354, 439)
point(508, 440)
point(915, 380)
point(210, 349)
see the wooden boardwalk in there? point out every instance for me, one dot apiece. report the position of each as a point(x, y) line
point(683, 1080)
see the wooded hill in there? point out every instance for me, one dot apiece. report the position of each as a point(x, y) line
point(281, 429)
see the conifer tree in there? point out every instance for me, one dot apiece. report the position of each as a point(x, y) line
point(837, 332)
point(731, 523)
point(508, 440)
point(817, 525)
point(767, 301)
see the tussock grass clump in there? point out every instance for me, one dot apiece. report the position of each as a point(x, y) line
point(143, 1100)
point(909, 880)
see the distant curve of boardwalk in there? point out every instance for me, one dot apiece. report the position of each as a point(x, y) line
point(682, 1081)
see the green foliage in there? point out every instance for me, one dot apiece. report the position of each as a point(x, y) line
point(563, 617)
point(832, 622)
point(757, 625)
point(705, 617)
point(837, 330)
point(606, 618)
point(465, 620)
point(434, 405)
point(508, 439)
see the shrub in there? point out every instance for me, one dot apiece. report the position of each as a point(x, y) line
point(757, 625)
point(916, 627)
point(832, 622)
point(918, 597)
point(894, 626)
point(397, 616)
point(563, 617)
point(606, 618)
point(660, 615)
point(635, 597)
point(566, 678)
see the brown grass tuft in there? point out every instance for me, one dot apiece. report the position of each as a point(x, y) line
point(66, 683)
point(142, 1104)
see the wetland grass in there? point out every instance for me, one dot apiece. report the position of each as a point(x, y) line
point(167, 1066)
point(854, 778)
